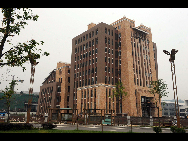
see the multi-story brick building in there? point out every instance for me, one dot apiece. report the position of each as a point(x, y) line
point(106, 54)
point(55, 90)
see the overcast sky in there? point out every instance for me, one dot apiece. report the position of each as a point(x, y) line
point(57, 26)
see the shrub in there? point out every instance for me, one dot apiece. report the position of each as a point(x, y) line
point(48, 126)
point(15, 126)
point(175, 129)
point(157, 129)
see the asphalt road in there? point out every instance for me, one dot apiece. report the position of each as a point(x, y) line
point(110, 128)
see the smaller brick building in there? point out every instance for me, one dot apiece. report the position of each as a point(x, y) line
point(55, 90)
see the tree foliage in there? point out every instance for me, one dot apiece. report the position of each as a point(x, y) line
point(8, 92)
point(14, 20)
point(159, 87)
point(119, 91)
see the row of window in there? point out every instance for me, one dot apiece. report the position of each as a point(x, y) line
point(87, 82)
point(91, 61)
point(92, 94)
point(85, 46)
point(108, 31)
point(145, 54)
point(85, 55)
point(90, 71)
point(85, 37)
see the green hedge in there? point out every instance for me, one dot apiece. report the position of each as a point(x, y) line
point(175, 129)
point(15, 126)
point(48, 126)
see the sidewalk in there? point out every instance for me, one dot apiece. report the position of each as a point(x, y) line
point(105, 128)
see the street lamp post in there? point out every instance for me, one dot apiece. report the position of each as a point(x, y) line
point(171, 60)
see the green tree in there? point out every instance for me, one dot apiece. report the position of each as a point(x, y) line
point(118, 92)
point(8, 92)
point(14, 20)
point(158, 87)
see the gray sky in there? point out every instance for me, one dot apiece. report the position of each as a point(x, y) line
point(57, 26)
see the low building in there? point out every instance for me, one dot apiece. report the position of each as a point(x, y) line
point(168, 108)
point(184, 109)
point(55, 90)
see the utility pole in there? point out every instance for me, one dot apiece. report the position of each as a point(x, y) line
point(171, 60)
point(33, 64)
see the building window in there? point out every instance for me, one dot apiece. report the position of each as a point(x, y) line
point(109, 41)
point(96, 31)
point(119, 52)
point(96, 50)
point(91, 93)
point(92, 80)
point(119, 35)
point(84, 94)
point(105, 30)
point(119, 62)
point(108, 60)
point(86, 82)
point(89, 81)
point(96, 41)
point(108, 31)
point(95, 93)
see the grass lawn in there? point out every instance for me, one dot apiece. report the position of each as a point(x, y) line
point(57, 131)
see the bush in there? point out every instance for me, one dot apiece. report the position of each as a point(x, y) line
point(157, 129)
point(15, 126)
point(48, 126)
point(175, 129)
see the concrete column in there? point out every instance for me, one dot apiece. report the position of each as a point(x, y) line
point(151, 121)
point(26, 117)
point(128, 120)
point(6, 117)
point(46, 117)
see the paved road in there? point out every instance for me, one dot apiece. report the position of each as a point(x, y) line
point(109, 128)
